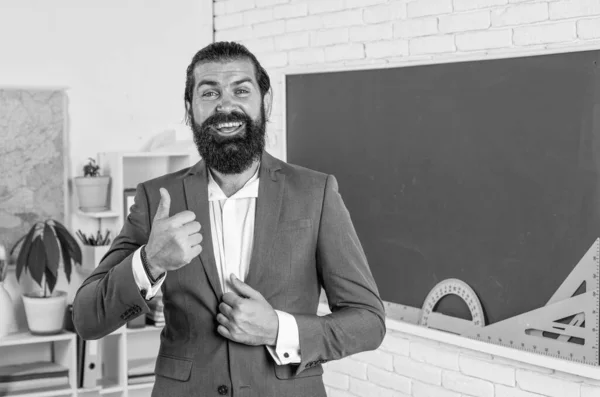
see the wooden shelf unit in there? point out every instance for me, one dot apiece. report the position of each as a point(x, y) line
point(126, 170)
point(116, 349)
point(22, 347)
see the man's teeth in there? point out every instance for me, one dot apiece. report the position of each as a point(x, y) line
point(229, 125)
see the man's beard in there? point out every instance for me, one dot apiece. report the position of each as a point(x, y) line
point(230, 155)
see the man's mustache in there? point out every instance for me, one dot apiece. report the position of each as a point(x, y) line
point(226, 118)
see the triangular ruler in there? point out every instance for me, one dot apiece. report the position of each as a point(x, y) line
point(545, 330)
point(586, 272)
point(566, 327)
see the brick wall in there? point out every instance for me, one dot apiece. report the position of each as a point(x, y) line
point(406, 365)
point(296, 34)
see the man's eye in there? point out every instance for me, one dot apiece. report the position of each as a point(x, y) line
point(209, 94)
point(241, 91)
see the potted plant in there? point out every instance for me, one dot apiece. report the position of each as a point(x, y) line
point(92, 188)
point(95, 246)
point(42, 250)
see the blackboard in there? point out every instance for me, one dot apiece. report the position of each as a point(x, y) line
point(486, 171)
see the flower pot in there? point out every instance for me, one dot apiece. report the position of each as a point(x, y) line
point(92, 193)
point(91, 256)
point(45, 316)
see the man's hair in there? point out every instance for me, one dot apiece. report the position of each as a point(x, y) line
point(222, 51)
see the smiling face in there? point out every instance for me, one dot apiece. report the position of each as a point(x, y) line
point(228, 115)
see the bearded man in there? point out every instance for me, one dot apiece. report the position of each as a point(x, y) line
point(240, 245)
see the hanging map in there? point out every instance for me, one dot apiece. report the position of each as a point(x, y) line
point(32, 160)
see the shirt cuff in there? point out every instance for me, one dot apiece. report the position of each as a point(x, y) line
point(287, 349)
point(147, 290)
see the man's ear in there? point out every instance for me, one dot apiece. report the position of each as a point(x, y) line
point(268, 103)
point(188, 115)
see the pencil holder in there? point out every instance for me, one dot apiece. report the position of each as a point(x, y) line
point(91, 256)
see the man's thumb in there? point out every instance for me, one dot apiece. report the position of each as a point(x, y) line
point(242, 288)
point(164, 205)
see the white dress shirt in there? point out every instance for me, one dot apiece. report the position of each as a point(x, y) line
point(232, 226)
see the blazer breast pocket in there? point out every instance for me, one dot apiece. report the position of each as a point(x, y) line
point(295, 224)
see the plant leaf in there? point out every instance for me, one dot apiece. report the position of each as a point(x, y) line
point(66, 255)
point(36, 262)
point(12, 250)
point(52, 250)
point(24, 252)
point(68, 267)
point(50, 279)
point(67, 237)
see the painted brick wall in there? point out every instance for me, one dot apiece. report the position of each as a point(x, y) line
point(406, 365)
point(294, 34)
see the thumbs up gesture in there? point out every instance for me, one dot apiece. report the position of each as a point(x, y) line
point(174, 240)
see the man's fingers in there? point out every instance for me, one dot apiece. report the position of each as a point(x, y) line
point(164, 206)
point(231, 299)
point(226, 309)
point(195, 239)
point(196, 250)
point(191, 227)
point(224, 332)
point(223, 320)
point(243, 289)
point(183, 217)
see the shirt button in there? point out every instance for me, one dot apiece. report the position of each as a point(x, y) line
point(286, 355)
point(222, 390)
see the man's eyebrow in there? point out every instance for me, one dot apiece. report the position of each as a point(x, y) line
point(207, 82)
point(213, 83)
point(243, 80)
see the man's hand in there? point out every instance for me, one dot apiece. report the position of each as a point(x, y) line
point(174, 241)
point(246, 316)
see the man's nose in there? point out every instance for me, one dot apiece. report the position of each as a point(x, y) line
point(225, 105)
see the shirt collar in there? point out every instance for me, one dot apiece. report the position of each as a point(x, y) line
point(249, 190)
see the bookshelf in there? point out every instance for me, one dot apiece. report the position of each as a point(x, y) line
point(23, 347)
point(126, 170)
point(124, 345)
point(118, 350)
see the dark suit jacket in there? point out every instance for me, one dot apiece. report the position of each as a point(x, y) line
point(303, 240)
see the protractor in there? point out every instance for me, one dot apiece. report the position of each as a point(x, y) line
point(453, 286)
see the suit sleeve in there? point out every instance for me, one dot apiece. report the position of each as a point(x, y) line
point(357, 319)
point(110, 296)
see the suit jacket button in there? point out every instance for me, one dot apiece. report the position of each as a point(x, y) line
point(222, 390)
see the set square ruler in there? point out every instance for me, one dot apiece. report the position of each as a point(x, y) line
point(567, 327)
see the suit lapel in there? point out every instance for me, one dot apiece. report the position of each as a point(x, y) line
point(268, 207)
point(196, 195)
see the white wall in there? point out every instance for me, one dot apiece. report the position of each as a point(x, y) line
point(122, 63)
point(322, 34)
